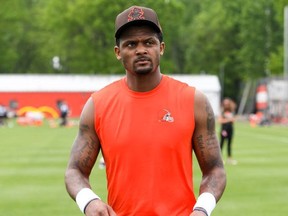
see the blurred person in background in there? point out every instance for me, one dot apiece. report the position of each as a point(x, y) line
point(3, 115)
point(227, 119)
point(64, 111)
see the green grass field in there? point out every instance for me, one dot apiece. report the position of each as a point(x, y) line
point(33, 162)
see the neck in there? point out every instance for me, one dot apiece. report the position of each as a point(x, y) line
point(143, 83)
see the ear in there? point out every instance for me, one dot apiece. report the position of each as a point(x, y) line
point(117, 52)
point(162, 48)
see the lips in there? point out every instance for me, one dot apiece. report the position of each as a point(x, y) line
point(142, 60)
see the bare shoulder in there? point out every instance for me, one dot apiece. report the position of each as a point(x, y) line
point(86, 123)
point(87, 115)
point(203, 110)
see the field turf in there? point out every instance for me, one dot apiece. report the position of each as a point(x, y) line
point(33, 161)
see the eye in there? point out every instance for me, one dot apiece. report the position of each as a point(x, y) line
point(131, 44)
point(149, 42)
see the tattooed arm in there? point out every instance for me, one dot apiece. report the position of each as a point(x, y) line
point(84, 153)
point(206, 148)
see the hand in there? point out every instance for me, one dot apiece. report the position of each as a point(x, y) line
point(99, 208)
point(197, 213)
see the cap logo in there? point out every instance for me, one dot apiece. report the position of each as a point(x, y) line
point(136, 14)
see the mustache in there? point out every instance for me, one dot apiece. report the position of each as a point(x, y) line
point(142, 58)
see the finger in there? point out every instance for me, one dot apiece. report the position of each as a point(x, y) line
point(111, 211)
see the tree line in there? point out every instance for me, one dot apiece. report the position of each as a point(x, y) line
point(236, 40)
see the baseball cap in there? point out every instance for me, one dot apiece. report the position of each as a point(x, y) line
point(136, 15)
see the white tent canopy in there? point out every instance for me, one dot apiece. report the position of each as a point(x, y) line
point(208, 84)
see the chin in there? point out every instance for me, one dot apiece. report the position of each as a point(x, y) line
point(144, 71)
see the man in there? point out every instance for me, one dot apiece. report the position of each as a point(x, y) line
point(64, 111)
point(146, 126)
point(3, 115)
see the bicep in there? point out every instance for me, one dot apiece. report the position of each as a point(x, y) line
point(205, 142)
point(86, 145)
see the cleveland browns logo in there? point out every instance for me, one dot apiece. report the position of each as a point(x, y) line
point(136, 14)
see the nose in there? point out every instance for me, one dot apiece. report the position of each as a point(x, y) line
point(141, 50)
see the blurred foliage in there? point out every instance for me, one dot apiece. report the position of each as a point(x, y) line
point(237, 40)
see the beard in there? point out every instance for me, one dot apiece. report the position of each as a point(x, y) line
point(143, 68)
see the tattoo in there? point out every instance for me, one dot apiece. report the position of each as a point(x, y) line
point(207, 142)
point(87, 150)
point(210, 118)
point(82, 129)
point(201, 146)
point(210, 127)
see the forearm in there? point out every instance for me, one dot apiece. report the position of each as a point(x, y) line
point(75, 181)
point(214, 182)
point(88, 202)
point(211, 189)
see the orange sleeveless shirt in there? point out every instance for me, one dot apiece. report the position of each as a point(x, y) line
point(146, 143)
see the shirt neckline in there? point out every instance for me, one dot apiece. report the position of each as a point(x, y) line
point(143, 94)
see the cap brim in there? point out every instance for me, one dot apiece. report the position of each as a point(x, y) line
point(135, 23)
